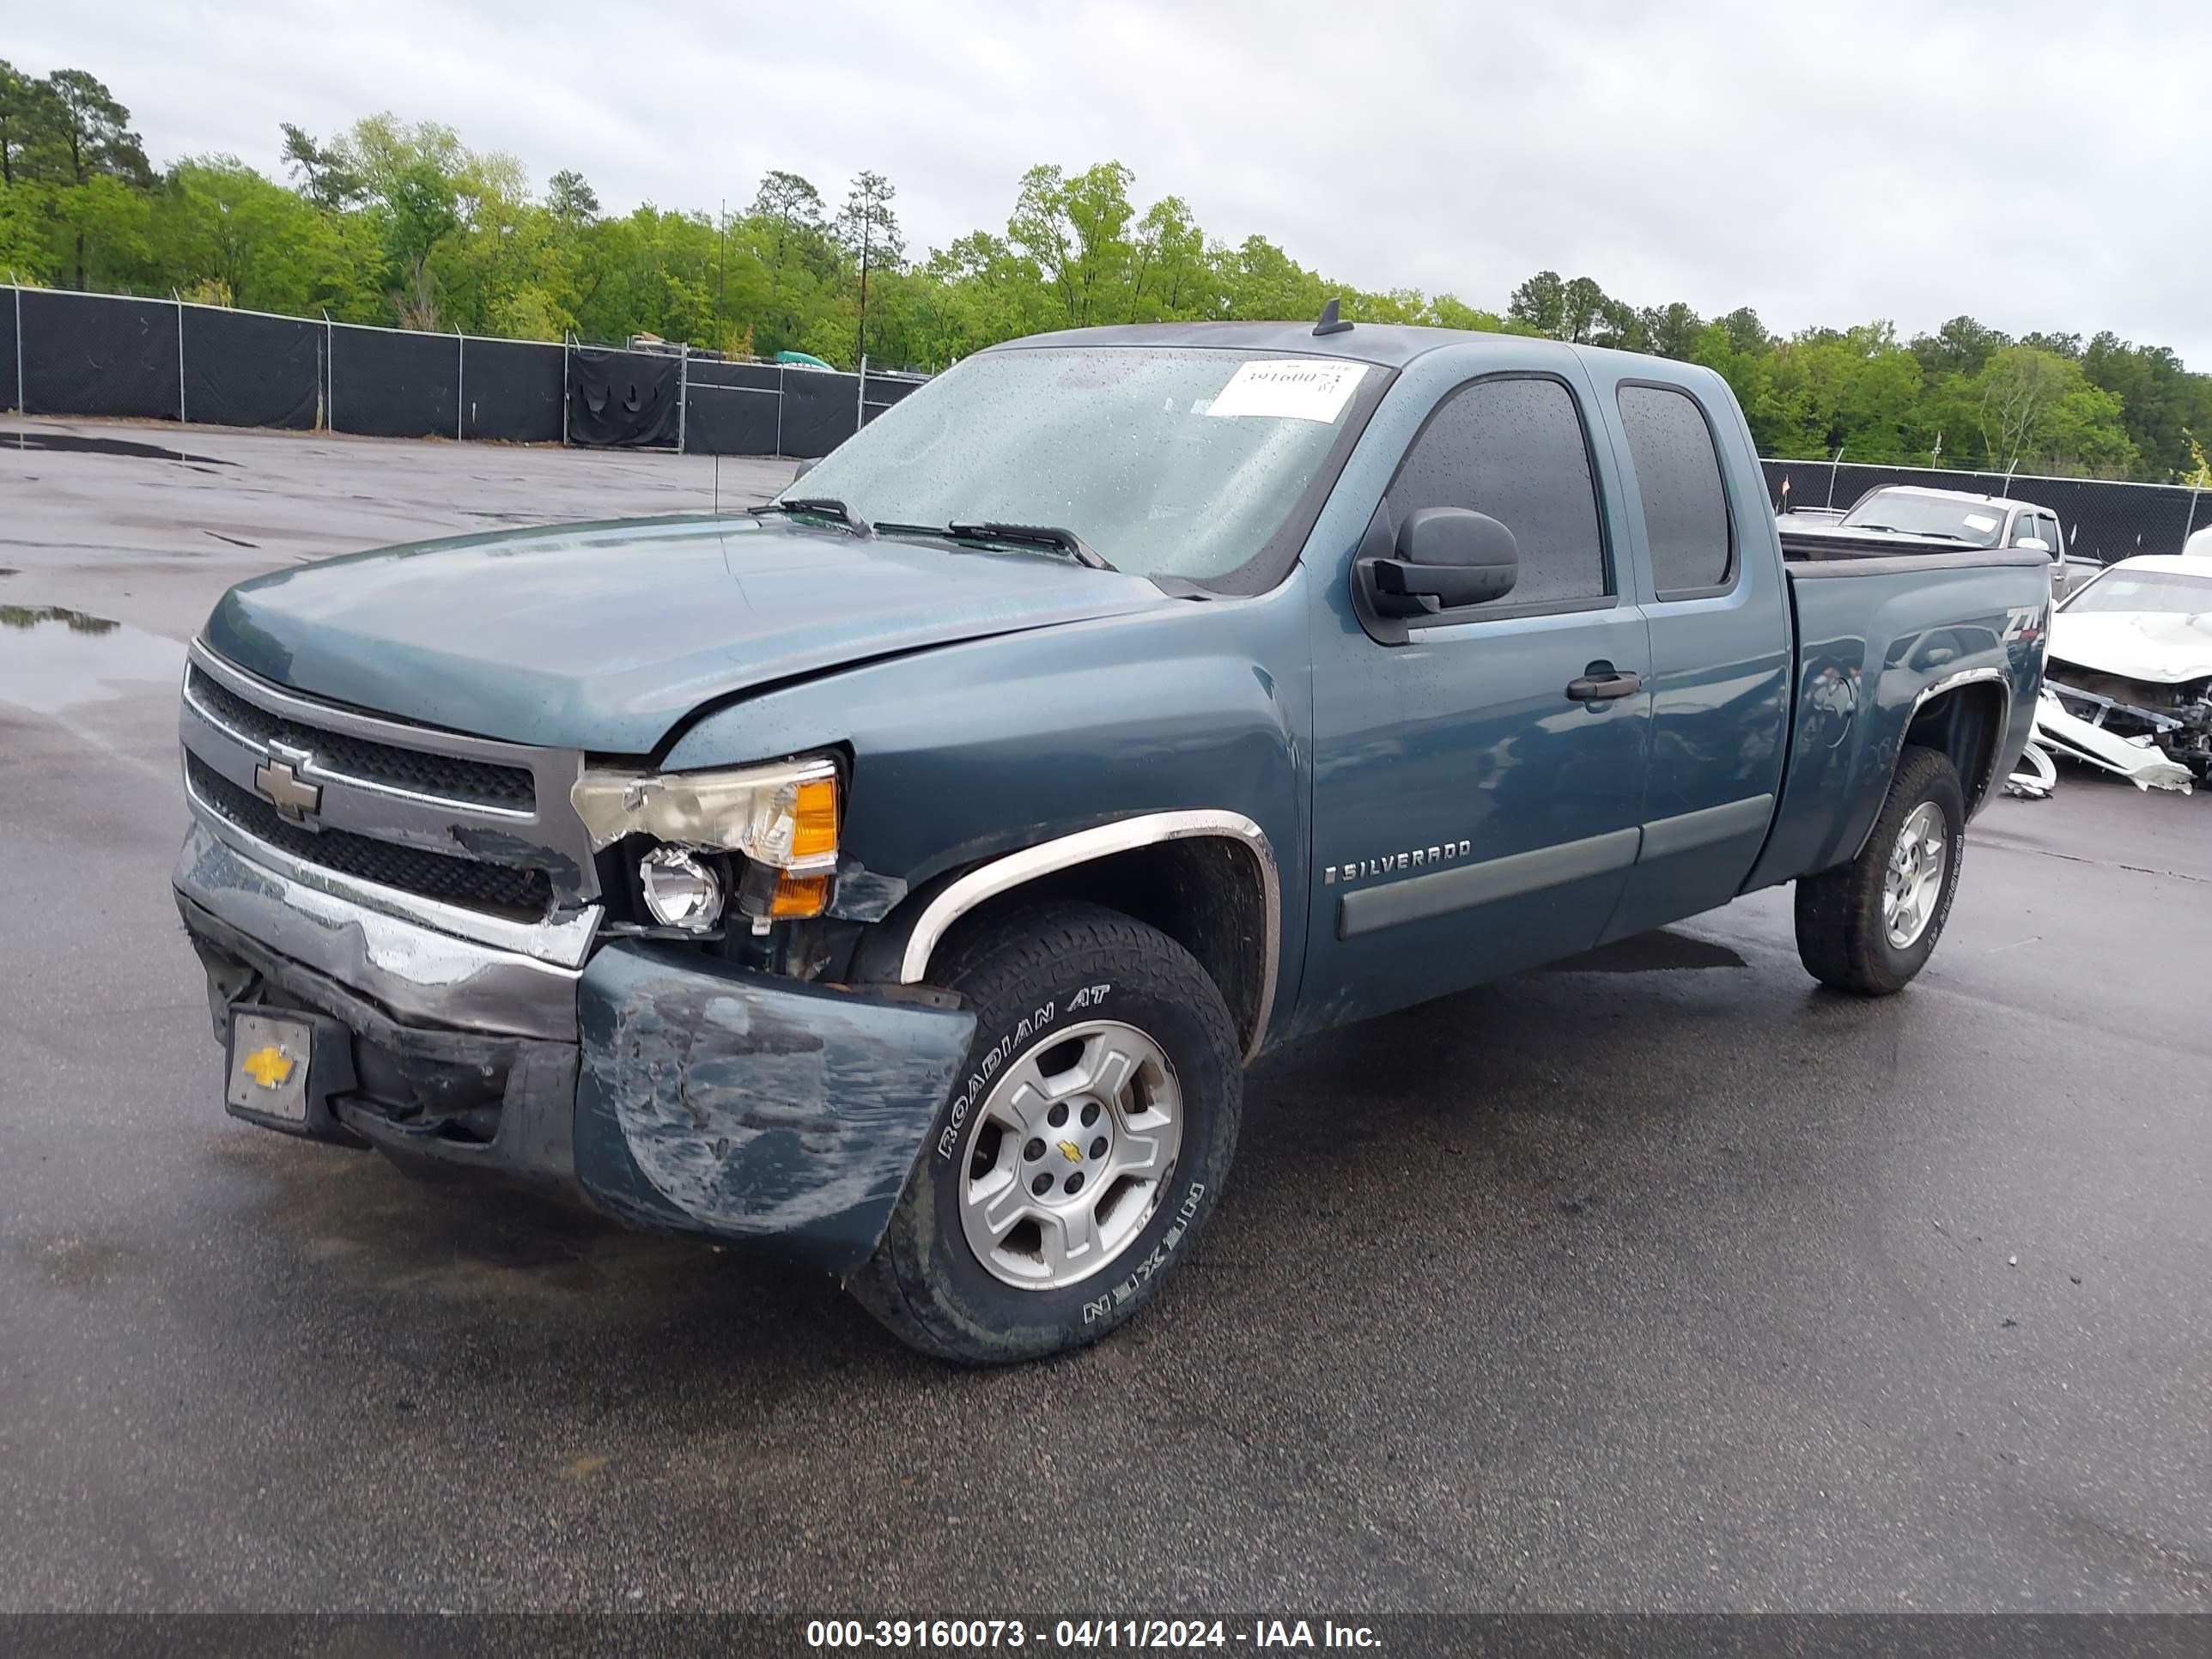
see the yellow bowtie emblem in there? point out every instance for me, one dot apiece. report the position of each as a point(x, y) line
point(268, 1066)
point(1072, 1153)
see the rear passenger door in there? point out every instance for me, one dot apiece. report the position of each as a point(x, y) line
point(1720, 647)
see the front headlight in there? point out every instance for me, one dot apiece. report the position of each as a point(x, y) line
point(783, 817)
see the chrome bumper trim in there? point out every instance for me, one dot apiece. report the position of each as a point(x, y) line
point(386, 946)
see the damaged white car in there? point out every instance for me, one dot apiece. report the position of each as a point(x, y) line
point(2128, 684)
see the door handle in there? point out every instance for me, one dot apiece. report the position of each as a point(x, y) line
point(1602, 688)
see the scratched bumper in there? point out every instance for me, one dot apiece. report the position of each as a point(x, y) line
point(715, 1101)
point(688, 1095)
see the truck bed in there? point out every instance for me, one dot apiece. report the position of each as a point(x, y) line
point(1879, 636)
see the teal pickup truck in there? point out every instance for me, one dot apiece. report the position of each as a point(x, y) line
point(901, 874)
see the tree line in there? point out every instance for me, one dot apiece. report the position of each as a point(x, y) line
point(402, 224)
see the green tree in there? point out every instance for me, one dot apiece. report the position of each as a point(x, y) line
point(571, 199)
point(326, 175)
point(868, 230)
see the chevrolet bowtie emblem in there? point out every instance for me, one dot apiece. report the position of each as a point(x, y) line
point(1072, 1153)
point(267, 1067)
point(277, 781)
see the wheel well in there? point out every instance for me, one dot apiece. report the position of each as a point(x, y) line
point(1206, 892)
point(1966, 724)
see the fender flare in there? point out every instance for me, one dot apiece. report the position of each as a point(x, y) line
point(1003, 874)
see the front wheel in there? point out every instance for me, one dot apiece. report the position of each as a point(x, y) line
point(1869, 926)
point(1085, 1142)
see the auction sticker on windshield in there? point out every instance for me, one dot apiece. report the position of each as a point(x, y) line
point(1981, 521)
point(1295, 388)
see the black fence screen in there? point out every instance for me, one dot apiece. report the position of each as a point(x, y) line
point(734, 409)
point(625, 400)
point(244, 368)
point(514, 391)
point(820, 411)
point(8, 360)
point(386, 383)
point(97, 354)
point(2103, 520)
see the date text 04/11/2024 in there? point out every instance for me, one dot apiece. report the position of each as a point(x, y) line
point(1087, 1634)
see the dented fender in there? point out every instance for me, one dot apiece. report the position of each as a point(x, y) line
point(712, 1100)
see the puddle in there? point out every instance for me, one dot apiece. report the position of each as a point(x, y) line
point(51, 658)
point(68, 443)
point(1650, 953)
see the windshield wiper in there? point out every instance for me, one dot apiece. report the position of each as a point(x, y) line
point(813, 506)
point(1051, 536)
point(1033, 535)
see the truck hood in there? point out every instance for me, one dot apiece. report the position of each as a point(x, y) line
point(603, 636)
point(2161, 648)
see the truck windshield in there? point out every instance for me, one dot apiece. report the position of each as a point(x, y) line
point(1972, 524)
point(2169, 591)
point(1168, 461)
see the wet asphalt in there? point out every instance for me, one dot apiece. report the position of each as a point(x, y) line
point(1661, 1281)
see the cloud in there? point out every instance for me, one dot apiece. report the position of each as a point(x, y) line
point(2033, 163)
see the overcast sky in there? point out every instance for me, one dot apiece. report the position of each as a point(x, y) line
point(2037, 163)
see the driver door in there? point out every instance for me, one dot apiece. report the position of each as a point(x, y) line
point(1476, 807)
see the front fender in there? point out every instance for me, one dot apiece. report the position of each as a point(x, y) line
point(963, 754)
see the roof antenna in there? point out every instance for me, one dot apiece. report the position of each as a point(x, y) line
point(1330, 323)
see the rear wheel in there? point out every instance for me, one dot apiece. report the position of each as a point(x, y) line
point(1869, 926)
point(1082, 1145)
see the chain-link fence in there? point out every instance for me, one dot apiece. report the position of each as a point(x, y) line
point(64, 353)
point(2103, 519)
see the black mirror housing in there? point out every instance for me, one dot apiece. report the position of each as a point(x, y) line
point(1442, 558)
point(1455, 557)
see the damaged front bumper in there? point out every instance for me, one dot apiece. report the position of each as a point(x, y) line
point(2070, 722)
point(669, 1089)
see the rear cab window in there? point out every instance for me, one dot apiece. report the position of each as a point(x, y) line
point(1678, 481)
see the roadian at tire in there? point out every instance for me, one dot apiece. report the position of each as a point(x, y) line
point(1082, 1148)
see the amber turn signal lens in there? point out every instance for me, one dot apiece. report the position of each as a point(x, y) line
point(799, 896)
point(814, 820)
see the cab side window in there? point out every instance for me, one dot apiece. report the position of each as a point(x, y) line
point(1514, 448)
point(1678, 475)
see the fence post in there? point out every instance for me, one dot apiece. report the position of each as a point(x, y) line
point(782, 370)
point(2195, 491)
point(683, 392)
point(460, 381)
point(565, 338)
point(861, 398)
point(22, 398)
point(330, 374)
point(178, 300)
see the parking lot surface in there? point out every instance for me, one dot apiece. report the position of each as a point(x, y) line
point(1663, 1280)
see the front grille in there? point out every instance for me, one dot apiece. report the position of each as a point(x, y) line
point(503, 889)
point(479, 783)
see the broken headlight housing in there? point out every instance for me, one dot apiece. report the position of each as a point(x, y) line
point(783, 817)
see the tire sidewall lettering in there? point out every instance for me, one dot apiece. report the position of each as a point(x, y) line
point(977, 1086)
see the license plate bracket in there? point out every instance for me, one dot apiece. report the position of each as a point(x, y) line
point(282, 1067)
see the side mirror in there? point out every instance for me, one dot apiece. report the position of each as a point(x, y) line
point(1440, 559)
point(805, 467)
point(2034, 543)
point(1444, 557)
